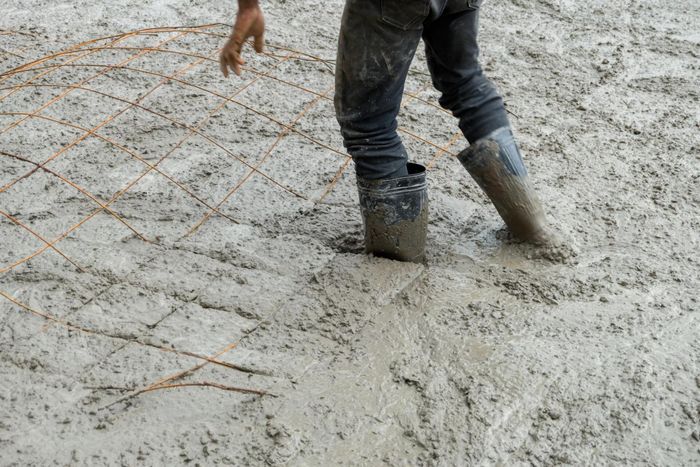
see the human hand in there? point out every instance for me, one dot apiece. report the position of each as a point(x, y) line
point(250, 22)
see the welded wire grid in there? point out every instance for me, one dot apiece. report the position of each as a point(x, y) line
point(18, 51)
point(152, 104)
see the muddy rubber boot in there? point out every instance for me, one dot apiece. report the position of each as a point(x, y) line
point(495, 163)
point(395, 215)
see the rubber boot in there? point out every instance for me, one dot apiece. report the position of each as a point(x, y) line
point(496, 165)
point(395, 215)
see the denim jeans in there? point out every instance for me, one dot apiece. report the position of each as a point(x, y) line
point(378, 40)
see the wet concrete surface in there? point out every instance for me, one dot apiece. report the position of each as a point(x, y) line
point(483, 355)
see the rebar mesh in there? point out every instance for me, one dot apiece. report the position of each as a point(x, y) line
point(145, 119)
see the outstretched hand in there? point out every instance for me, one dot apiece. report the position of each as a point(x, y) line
point(249, 23)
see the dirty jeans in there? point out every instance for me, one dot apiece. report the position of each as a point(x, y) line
point(378, 40)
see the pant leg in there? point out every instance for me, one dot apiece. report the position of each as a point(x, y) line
point(453, 58)
point(378, 40)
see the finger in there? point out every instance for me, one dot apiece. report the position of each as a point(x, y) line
point(223, 65)
point(259, 43)
point(230, 58)
point(236, 62)
point(237, 40)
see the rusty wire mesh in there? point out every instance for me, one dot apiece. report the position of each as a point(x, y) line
point(152, 102)
point(16, 52)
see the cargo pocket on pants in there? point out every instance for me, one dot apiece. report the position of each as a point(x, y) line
point(405, 14)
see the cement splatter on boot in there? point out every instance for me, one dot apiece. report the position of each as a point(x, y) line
point(496, 165)
point(395, 215)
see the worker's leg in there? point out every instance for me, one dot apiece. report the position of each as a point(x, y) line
point(453, 58)
point(493, 159)
point(378, 40)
